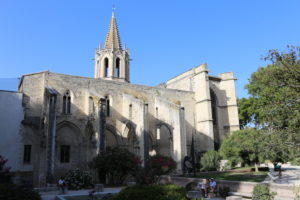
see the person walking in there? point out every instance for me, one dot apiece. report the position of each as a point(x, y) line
point(62, 185)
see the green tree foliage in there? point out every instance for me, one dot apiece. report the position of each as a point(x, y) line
point(262, 192)
point(276, 148)
point(246, 146)
point(115, 164)
point(275, 90)
point(274, 102)
point(150, 192)
point(210, 161)
point(247, 112)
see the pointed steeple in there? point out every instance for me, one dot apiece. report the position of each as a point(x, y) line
point(111, 61)
point(112, 38)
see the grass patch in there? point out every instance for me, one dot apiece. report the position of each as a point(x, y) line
point(235, 176)
point(150, 192)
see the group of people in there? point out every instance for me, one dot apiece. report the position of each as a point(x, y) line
point(208, 185)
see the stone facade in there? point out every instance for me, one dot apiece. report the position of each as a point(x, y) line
point(11, 116)
point(69, 119)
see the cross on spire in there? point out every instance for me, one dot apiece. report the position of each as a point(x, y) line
point(112, 38)
point(113, 10)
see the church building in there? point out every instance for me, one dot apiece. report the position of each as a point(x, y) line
point(68, 120)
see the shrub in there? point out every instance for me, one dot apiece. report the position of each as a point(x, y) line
point(262, 192)
point(224, 191)
point(115, 165)
point(157, 192)
point(14, 192)
point(210, 161)
point(161, 164)
point(155, 166)
point(190, 186)
point(10, 191)
point(78, 179)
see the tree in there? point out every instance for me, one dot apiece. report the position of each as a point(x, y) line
point(276, 90)
point(246, 146)
point(274, 102)
point(9, 190)
point(247, 112)
point(115, 165)
point(210, 161)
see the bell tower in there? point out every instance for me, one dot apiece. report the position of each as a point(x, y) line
point(112, 61)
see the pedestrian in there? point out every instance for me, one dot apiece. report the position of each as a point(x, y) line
point(212, 185)
point(279, 165)
point(62, 184)
point(204, 187)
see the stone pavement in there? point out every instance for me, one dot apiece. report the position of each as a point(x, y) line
point(52, 194)
point(290, 175)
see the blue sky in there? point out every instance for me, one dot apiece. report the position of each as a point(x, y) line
point(165, 37)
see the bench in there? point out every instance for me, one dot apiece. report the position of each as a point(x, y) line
point(274, 178)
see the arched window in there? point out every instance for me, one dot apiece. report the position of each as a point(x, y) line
point(67, 103)
point(107, 106)
point(130, 111)
point(106, 64)
point(117, 68)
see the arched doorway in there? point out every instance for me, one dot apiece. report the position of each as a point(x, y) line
point(164, 141)
point(110, 138)
point(70, 147)
point(131, 140)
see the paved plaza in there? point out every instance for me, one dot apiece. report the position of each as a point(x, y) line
point(290, 176)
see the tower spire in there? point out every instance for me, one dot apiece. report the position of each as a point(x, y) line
point(112, 61)
point(112, 40)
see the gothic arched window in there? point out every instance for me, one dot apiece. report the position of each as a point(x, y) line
point(118, 68)
point(106, 65)
point(67, 103)
point(107, 106)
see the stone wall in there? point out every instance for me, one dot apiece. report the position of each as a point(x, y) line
point(11, 115)
point(283, 191)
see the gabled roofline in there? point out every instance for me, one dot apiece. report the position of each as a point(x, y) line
point(21, 79)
